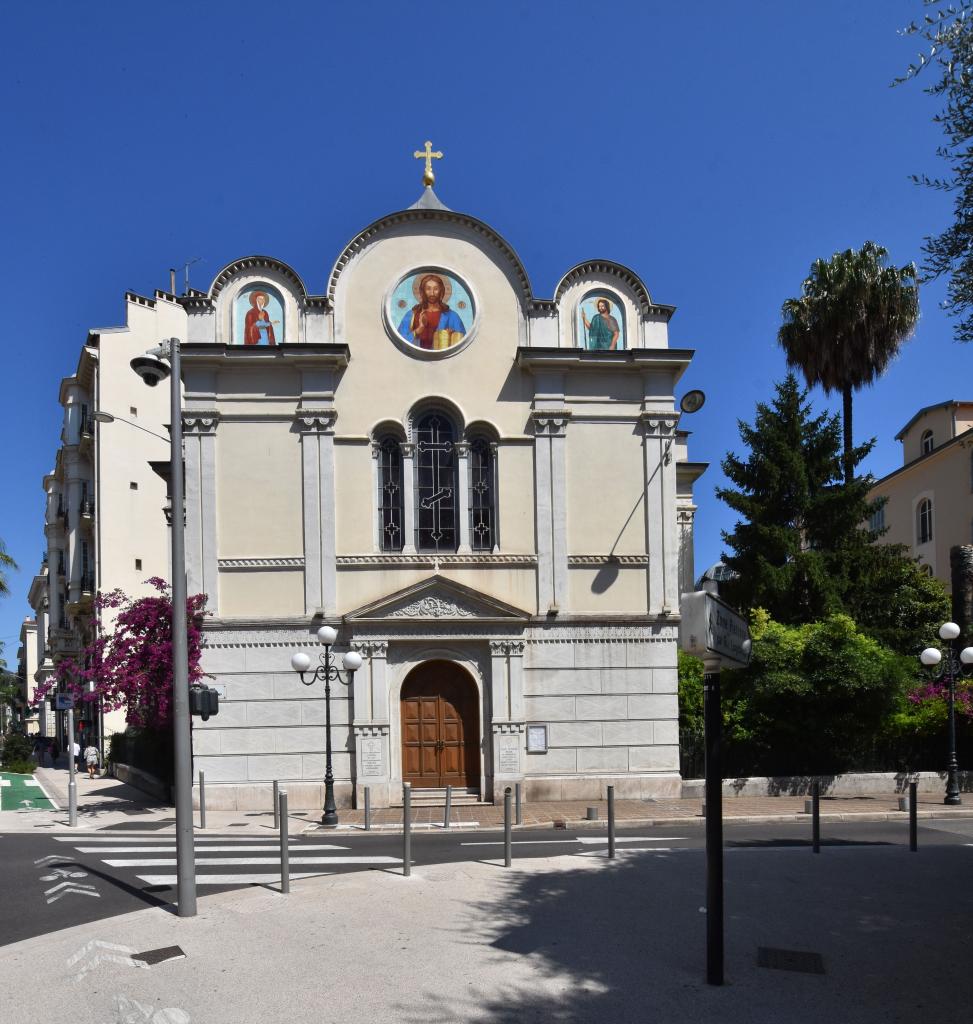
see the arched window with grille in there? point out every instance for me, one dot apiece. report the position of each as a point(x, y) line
point(927, 442)
point(390, 517)
point(924, 521)
point(436, 504)
point(483, 498)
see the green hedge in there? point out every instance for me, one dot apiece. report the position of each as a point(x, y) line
point(145, 749)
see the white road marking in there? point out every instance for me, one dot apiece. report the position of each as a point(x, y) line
point(54, 805)
point(271, 878)
point(74, 891)
point(229, 862)
point(158, 839)
point(524, 842)
point(62, 885)
point(31, 782)
point(293, 845)
point(110, 957)
point(5, 782)
point(628, 849)
point(630, 839)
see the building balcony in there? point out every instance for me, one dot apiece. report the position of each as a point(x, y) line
point(65, 643)
point(88, 511)
point(87, 583)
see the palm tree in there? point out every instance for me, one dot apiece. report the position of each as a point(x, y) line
point(6, 562)
point(853, 315)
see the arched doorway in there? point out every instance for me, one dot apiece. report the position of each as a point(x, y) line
point(440, 727)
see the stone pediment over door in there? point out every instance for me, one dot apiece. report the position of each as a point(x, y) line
point(441, 600)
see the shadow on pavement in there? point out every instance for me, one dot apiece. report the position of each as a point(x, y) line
point(626, 942)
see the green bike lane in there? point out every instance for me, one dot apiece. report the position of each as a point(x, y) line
point(22, 792)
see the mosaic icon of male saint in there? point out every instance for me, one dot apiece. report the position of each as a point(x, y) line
point(431, 323)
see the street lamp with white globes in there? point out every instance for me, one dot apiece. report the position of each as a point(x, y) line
point(327, 673)
point(955, 665)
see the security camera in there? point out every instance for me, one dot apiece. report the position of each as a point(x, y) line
point(151, 369)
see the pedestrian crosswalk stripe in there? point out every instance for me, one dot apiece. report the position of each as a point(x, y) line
point(268, 878)
point(293, 845)
point(229, 861)
point(162, 839)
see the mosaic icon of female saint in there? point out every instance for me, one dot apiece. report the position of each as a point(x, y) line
point(431, 323)
point(602, 330)
point(258, 328)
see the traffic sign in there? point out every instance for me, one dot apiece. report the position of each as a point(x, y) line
point(711, 627)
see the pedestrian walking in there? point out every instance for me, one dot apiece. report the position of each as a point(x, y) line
point(76, 754)
point(91, 759)
point(55, 752)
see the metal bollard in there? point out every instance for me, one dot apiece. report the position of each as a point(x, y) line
point(449, 803)
point(202, 800)
point(611, 821)
point(285, 864)
point(816, 817)
point(913, 817)
point(517, 804)
point(507, 845)
point(368, 809)
point(276, 804)
point(407, 829)
point(72, 773)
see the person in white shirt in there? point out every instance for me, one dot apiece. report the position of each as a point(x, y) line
point(76, 754)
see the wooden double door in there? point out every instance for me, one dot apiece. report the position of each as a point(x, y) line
point(440, 727)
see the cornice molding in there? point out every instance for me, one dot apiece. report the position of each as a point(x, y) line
point(250, 564)
point(420, 561)
point(608, 268)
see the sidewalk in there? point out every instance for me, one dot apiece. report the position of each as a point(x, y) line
point(108, 803)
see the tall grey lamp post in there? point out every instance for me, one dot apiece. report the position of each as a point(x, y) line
point(327, 673)
point(955, 665)
point(152, 370)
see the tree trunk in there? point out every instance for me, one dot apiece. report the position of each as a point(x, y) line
point(846, 410)
point(961, 576)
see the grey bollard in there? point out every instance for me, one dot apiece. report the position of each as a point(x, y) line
point(507, 844)
point(276, 804)
point(816, 817)
point(202, 800)
point(285, 864)
point(407, 829)
point(368, 809)
point(591, 814)
point(72, 774)
point(611, 821)
point(913, 817)
point(518, 804)
point(449, 803)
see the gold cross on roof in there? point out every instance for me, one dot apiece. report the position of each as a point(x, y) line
point(428, 155)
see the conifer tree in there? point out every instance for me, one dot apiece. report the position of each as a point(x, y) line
point(803, 548)
point(800, 524)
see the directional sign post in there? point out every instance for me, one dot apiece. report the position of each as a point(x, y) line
point(713, 631)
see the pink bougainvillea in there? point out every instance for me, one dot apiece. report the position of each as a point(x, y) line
point(939, 691)
point(130, 666)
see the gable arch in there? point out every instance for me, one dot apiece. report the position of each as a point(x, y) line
point(371, 234)
point(387, 428)
point(608, 269)
point(255, 266)
point(259, 273)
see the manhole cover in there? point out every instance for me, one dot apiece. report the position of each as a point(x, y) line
point(790, 960)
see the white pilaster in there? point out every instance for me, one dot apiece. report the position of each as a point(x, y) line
point(199, 456)
point(316, 427)
point(550, 484)
point(408, 498)
point(661, 538)
point(463, 483)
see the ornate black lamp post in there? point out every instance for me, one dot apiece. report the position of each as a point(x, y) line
point(954, 666)
point(327, 673)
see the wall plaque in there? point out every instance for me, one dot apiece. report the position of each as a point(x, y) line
point(372, 761)
point(509, 756)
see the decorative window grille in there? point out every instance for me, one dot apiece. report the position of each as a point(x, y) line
point(924, 521)
point(482, 496)
point(927, 442)
point(435, 460)
point(390, 494)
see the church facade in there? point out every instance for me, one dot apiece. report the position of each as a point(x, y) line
point(487, 494)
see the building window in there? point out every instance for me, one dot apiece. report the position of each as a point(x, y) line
point(435, 458)
point(482, 496)
point(132, 485)
point(390, 494)
point(924, 521)
point(927, 442)
point(138, 564)
point(877, 521)
point(132, 411)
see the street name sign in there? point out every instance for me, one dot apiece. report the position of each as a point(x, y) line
point(710, 627)
point(63, 701)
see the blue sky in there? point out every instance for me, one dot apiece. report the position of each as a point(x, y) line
point(717, 149)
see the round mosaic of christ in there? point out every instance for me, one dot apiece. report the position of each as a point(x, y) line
point(431, 309)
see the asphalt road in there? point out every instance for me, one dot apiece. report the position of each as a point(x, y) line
point(57, 881)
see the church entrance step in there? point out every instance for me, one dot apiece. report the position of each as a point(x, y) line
point(436, 797)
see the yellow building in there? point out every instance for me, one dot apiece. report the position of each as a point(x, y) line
point(930, 498)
